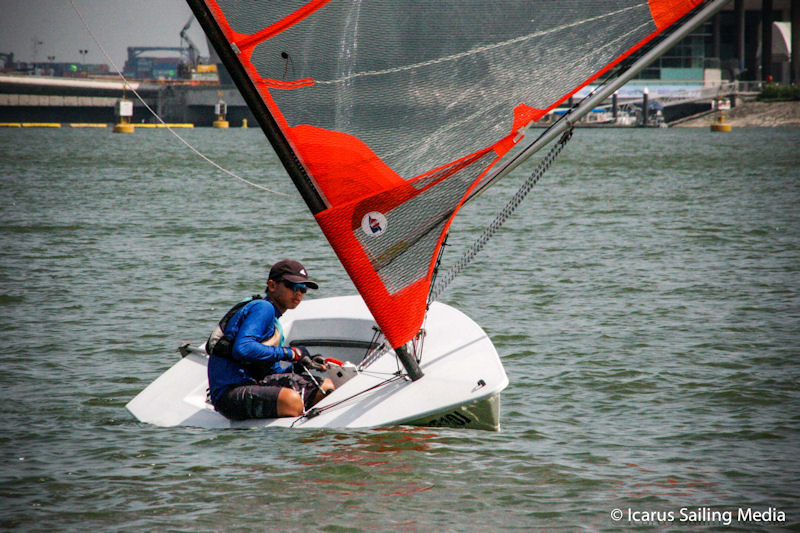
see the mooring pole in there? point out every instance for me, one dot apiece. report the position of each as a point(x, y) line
point(645, 107)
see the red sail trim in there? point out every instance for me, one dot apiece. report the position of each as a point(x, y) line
point(344, 168)
point(249, 42)
point(622, 57)
point(400, 314)
point(524, 115)
point(666, 12)
point(388, 199)
point(244, 54)
point(288, 85)
point(244, 59)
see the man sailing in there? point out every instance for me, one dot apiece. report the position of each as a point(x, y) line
point(245, 374)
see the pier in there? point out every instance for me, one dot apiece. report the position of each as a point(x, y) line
point(42, 99)
point(80, 101)
point(185, 89)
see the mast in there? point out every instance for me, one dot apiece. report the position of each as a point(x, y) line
point(606, 91)
point(409, 363)
point(279, 142)
point(265, 119)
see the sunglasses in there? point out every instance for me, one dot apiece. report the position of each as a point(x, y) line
point(295, 286)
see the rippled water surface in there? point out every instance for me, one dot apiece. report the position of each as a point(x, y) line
point(644, 302)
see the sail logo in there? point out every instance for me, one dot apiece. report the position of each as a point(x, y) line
point(374, 223)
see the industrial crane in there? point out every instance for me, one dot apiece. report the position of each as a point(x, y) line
point(193, 52)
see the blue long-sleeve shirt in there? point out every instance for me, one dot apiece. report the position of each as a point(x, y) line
point(248, 327)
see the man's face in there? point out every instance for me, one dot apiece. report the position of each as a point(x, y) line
point(283, 296)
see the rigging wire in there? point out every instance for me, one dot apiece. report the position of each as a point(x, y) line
point(500, 219)
point(316, 411)
point(173, 132)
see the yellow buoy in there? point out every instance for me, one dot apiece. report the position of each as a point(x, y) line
point(721, 124)
point(221, 109)
point(123, 109)
point(123, 127)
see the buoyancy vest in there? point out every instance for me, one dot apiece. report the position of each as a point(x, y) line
point(221, 345)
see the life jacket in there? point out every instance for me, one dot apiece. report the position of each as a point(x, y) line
point(221, 345)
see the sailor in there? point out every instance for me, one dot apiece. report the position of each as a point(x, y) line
point(247, 372)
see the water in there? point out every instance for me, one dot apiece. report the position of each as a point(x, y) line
point(644, 301)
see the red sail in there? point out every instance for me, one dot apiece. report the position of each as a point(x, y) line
point(387, 114)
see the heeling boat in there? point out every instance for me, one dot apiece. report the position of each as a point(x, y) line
point(389, 117)
point(462, 378)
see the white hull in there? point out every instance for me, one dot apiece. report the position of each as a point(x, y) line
point(461, 386)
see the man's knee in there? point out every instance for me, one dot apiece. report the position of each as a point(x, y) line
point(289, 403)
point(325, 388)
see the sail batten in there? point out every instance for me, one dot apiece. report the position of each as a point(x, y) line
point(275, 28)
point(390, 115)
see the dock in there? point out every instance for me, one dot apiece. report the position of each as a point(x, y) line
point(41, 101)
point(75, 101)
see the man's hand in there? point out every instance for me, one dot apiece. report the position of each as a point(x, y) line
point(303, 359)
point(298, 352)
point(316, 362)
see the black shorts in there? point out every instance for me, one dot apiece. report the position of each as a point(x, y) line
point(261, 400)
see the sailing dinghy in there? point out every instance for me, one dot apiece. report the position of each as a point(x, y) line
point(388, 117)
point(461, 387)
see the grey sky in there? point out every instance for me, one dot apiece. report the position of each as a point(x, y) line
point(117, 24)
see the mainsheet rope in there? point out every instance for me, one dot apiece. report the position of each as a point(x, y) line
point(173, 132)
point(316, 411)
point(442, 283)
